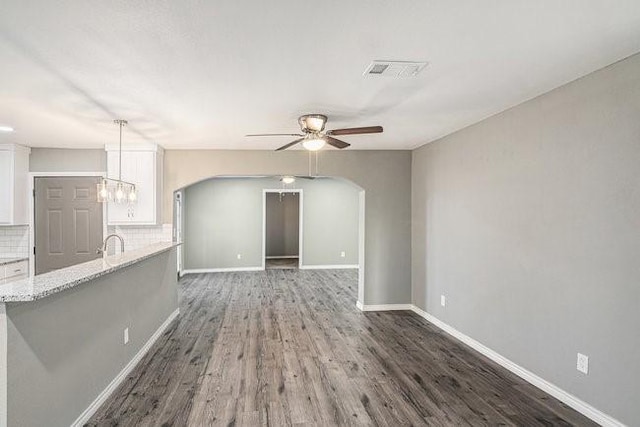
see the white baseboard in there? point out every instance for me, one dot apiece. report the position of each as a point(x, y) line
point(383, 307)
point(328, 267)
point(544, 385)
point(260, 268)
point(220, 270)
point(104, 395)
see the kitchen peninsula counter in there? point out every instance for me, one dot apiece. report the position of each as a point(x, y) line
point(36, 287)
point(69, 337)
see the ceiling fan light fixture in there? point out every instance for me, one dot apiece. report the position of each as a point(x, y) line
point(313, 143)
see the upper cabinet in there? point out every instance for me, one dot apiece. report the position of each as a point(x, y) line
point(142, 166)
point(14, 184)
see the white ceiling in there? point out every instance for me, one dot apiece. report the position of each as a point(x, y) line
point(201, 74)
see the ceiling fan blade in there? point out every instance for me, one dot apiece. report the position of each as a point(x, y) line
point(292, 143)
point(275, 134)
point(336, 142)
point(355, 131)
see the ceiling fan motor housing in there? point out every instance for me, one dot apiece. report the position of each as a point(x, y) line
point(312, 123)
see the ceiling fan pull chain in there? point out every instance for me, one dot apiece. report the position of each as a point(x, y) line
point(316, 153)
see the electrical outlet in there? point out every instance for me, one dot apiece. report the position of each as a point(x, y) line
point(583, 363)
point(126, 335)
point(239, 256)
point(443, 300)
point(343, 254)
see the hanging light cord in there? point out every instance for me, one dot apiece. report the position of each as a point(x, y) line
point(120, 123)
point(120, 155)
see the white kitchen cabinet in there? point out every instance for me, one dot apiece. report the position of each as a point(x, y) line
point(142, 166)
point(14, 183)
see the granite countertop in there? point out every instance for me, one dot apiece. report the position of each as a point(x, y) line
point(33, 288)
point(5, 261)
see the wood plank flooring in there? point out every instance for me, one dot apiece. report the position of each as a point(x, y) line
point(289, 348)
point(272, 263)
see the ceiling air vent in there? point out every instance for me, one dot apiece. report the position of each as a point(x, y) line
point(397, 69)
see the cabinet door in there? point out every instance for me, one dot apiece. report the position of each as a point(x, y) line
point(143, 211)
point(6, 187)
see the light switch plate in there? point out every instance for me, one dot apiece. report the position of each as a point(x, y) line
point(443, 300)
point(126, 335)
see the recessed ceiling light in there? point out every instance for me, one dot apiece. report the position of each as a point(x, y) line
point(6, 129)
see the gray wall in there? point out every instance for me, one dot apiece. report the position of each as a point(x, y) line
point(384, 175)
point(57, 368)
point(529, 223)
point(282, 224)
point(67, 160)
point(223, 218)
point(330, 222)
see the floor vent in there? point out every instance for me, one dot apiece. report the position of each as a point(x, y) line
point(397, 69)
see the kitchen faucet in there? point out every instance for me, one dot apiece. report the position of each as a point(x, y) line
point(106, 241)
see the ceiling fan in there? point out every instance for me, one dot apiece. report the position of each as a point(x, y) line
point(314, 137)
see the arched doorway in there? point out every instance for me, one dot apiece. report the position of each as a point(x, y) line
point(233, 241)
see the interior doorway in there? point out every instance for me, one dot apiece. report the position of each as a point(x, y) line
point(282, 231)
point(68, 226)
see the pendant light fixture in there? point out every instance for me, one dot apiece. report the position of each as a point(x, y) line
point(117, 190)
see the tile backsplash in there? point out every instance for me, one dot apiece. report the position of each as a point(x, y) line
point(14, 241)
point(136, 237)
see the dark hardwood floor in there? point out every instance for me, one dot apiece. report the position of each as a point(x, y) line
point(289, 347)
point(273, 263)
